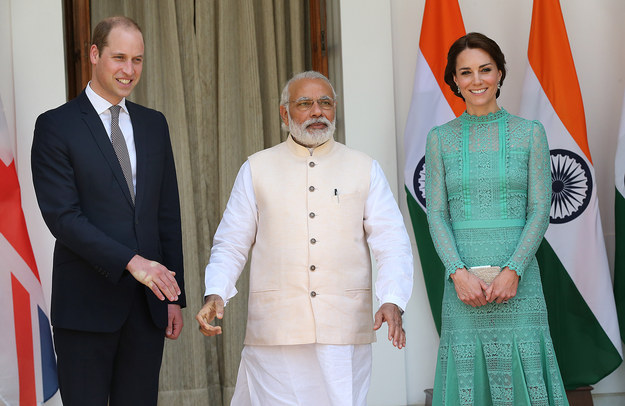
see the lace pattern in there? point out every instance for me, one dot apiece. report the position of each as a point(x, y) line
point(488, 193)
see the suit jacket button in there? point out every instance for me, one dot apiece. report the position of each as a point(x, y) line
point(312, 267)
point(311, 188)
point(313, 293)
point(311, 164)
point(311, 215)
point(313, 241)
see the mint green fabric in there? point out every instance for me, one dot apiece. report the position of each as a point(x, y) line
point(488, 195)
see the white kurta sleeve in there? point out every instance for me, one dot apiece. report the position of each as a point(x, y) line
point(389, 242)
point(234, 237)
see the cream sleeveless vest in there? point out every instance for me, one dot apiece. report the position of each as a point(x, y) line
point(310, 274)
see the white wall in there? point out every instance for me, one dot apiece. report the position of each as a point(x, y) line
point(595, 31)
point(368, 97)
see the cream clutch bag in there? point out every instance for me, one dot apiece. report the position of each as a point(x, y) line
point(486, 273)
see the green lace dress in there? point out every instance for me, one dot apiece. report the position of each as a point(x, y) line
point(488, 195)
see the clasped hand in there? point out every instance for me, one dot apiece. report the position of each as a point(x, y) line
point(155, 276)
point(472, 291)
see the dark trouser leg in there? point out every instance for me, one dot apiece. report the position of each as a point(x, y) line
point(124, 365)
point(84, 365)
point(137, 363)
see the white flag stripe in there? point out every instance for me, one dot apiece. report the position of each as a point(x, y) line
point(587, 264)
point(6, 151)
point(619, 162)
point(429, 108)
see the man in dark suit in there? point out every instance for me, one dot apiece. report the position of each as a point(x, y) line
point(117, 284)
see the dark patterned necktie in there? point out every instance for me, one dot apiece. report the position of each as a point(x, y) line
point(121, 150)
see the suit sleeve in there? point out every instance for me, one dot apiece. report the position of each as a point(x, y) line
point(58, 198)
point(170, 232)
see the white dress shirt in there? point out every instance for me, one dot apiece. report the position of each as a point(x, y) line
point(101, 107)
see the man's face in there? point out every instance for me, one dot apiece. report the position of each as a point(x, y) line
point(117, 68)
point(315, 125)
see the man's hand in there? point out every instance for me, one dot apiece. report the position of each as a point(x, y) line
point(469, 288)
point(213, 306)
point(174, 321)
point(504, 286)
point(155, 276)
point(390, 313)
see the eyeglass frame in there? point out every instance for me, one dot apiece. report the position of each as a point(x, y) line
point(305, 99)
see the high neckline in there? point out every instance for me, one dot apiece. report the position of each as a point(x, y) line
point(486, 118)
point(301, 150)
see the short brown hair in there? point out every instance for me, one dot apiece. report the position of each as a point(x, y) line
point(103, 29)
point(473, 40)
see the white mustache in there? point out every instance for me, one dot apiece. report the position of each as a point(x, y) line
point(312, 121)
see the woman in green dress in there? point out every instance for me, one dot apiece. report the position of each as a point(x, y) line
point(488, 194)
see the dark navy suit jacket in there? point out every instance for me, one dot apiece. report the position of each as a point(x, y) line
point(86, 204)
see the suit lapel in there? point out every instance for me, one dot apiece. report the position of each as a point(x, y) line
point(91, 118)
point(141, 138)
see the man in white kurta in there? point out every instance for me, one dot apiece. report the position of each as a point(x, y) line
point(310, 209)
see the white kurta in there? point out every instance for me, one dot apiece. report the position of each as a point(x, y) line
point(308, 374)
point(311, 373)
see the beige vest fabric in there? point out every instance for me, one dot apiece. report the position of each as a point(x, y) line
point(310, 275)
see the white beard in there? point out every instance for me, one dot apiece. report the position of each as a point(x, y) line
point(311, 138)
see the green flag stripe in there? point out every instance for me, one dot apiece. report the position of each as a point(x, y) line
point(619, 259)
point(584, 351)
point(433, 269)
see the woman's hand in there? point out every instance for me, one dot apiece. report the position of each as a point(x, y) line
point(504, 286)
point(469, 288)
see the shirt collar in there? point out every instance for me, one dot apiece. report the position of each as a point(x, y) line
point(99, 103)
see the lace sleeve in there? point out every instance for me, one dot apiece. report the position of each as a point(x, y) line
point(437, 206)
point(538, 201)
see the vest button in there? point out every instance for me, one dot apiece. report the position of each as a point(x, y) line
point(313, 293)
point(312, 267)
point(311, 215)
point(311, 188)
point(313, 241)
point(311, 164)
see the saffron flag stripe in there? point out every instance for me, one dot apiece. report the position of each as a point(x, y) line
point(432, 104)
point(551, 59)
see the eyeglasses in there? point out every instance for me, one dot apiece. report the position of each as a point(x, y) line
point(324, 103)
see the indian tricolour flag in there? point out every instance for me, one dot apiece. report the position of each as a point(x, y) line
point(619, 224)
point(433, 103)
point(572, 257)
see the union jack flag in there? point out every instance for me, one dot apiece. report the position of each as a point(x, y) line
point(28, 366)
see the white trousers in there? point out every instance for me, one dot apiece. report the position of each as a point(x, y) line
point(302, 375)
